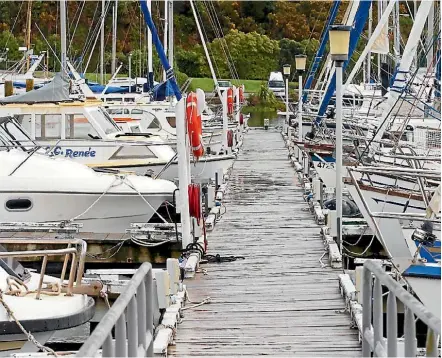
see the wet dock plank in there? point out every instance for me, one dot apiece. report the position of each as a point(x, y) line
point(278, 301)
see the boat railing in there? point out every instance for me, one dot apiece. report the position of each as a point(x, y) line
point(132, 318)
point(374, 279)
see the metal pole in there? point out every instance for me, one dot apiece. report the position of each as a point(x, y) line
point(114, 37)
point(430, 34)
point(166, 25)
point(102, 42)
point(339, 153)
point(205, 47)
point(63, 35)
point(225, 122)
point(300, 115)
point(370, 31)
point(170, 12)
point(130, 73)
point(287, 117)
point(149, 42)
point(183, 175)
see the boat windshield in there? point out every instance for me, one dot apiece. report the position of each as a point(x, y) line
point(104, 121)
point(13, 135)
point(276, 84)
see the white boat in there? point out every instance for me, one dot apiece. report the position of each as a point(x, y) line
point(40, 310)
point(37, 188)
point(84, 132)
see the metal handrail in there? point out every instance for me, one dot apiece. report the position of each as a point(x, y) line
point(372, 306)
point(80, 252)
point(45, 253)
point(132, 317)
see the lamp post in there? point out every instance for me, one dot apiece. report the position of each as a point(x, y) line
point(300, 61)
point(286, 72)
point(339, 43)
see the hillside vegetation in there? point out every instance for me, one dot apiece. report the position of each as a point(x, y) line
point(258, 36)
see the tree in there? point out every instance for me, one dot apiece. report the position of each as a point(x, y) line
point(253, 55)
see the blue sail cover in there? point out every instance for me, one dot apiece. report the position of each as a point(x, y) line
point(162, 90)
point(324, 39)
point(160, 50)
point(357, 28)
point(97, 88)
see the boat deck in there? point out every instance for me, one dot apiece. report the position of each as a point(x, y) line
point(279, 300)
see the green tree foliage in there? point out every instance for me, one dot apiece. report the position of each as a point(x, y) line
point(253, 54)
point(261, 36)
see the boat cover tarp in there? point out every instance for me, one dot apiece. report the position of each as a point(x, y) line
point(97, 88)
point(163, 90)
point(55, 91)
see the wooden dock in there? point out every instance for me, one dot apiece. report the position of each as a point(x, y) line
point(279, 300)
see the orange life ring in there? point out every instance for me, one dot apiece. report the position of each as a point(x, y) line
point(241, 95)
point(230, 101)
point(194, 125)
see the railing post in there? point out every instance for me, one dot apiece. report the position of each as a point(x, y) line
point(149, 311)
point(410, 334)
point(108, 347)
point(132, 328)
point(391, 325)
point(141, 304)
point(366, 311)
point(120, 337)
point(432, 343)
point(378, 325)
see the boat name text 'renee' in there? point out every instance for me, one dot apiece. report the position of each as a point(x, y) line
point(71, 153)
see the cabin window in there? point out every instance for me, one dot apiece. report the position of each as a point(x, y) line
point(129, 99)
point(172, 121)
point(47, 126)
point(137, 111)
point(115, 111)
point(133, 152)
point(79, 127)
point(154, 124)
point(19, 204)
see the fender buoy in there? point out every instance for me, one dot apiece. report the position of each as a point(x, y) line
point(194, 126)
point(241, 95)
point(230, 101)
point(230, 138)
point(194, 201)
point(241, 119)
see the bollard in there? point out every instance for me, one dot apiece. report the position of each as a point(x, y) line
point(29, 84)
point(9, 88)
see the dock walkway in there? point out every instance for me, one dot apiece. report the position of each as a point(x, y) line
point(278, 301)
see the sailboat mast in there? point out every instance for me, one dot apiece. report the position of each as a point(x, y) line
point(170, 32)
point(28, 32)
point(430, 34)
point(63, 36)
point(370, 31)
point(102, 42)
point(114, 37)
point(166, 28)
point(203, 41)
point(397, 34)
point(149, 48)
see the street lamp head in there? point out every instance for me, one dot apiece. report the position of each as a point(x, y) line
point(301, 61)
point(339, 42)
point(286, 70)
